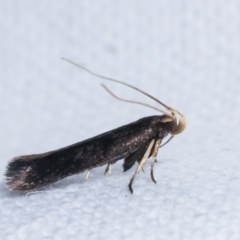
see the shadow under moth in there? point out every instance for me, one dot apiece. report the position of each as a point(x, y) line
point(134, 142)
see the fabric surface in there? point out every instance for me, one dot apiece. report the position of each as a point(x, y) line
point(186, 53)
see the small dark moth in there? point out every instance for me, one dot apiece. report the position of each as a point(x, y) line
point(134, 142)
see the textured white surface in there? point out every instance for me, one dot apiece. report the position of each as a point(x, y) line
point(186, 53)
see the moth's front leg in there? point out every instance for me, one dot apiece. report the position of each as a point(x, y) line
point(141, 163)
point(154, 157)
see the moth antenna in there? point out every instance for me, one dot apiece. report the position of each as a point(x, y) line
point(135, 102)
point(182, 120)
point(120, 82)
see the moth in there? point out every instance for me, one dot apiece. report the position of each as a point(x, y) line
point(134, 142)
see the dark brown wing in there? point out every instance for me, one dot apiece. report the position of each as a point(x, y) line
point(34, 171)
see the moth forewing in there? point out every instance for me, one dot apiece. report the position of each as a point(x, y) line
point(134, 142)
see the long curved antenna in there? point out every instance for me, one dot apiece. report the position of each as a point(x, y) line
point(121, 82)
point(135, 102)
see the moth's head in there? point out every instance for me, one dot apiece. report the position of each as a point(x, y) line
point(179, 121)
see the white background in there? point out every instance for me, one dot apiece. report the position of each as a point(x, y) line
point(186, 53)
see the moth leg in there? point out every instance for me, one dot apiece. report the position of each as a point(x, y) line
point(154, 157)
point(134, 157)
point(167, 141)
point(108, 169)
point(141, 164)
point(88, 172)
